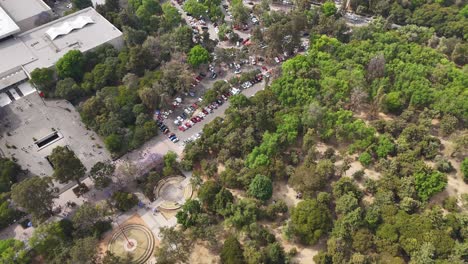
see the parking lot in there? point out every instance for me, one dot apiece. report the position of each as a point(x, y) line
point(190, 133)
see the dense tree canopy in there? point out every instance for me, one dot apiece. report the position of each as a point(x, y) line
point(67, 166)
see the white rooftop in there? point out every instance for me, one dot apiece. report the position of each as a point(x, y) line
point(43, 46)
point(83, 30)
point(7, 25)
point(23, 9)
point(68, 26)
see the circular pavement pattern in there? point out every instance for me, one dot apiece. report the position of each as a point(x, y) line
point(174, 191)
point(142, 239)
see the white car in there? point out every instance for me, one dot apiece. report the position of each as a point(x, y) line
point(235, 91)
point(277, 60)
point(70, 5)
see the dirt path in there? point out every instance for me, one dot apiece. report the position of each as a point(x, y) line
point(282, 191)
point(202, 255)
point(304, 255)
point(455, 183)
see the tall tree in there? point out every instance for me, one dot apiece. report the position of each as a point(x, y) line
point(71, 65)
point(43, 78)
point(101, 174)
point(35, 195)
point(310, 220)
point(67, 166)
point(198, 55)
point(261, 187)
point(232, 252)
point(174, 247)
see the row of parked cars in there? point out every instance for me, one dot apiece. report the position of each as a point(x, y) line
point(165, 130)
point(185, 121)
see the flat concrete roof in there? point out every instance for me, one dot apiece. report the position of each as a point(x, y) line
point(7, 25)
point(29, 119)
point(13, 54)
point(35, 48)
point(24, 9)
point(48, 51)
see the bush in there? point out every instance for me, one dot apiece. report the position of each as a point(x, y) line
point(114, 143)
point(310, 220)
point(232, 252)
point(450, 204)
point(393, 102)
point(358, 175)
point(464, 169)
point(124, 201)
point(365, 158)
point(448, 124)
point(261, 188)
point(443, 165)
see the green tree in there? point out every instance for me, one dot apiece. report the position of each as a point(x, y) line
point(310, 220)
point(174, 248)
point(67, 166)
point(261, 187)
point(429, 183)
point(84, 251)
point(346, 203)
point(393, 102)
point(35, 195)
point(197, 56)
point(13, 251)
point(68, 89)
point(464, 169)
point(86, 217)
point(43, 79)
point(448, 124)
point(231, 252)
point(207, 194)
point(124, 201)
point(49, 238)
point(195, 8)
point(223, 200)
point(8, 174)
point(365, 158)
point(82, 4)
point(101, 174)
point(71, 65)
point(172, 17)
point(189, 213)
point(114, 143)
point(329, 8)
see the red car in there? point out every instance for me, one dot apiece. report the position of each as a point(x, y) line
point(181, 128)
point(245, 41)
point(198, 118)
point(264, 68)
point(193, 119)
point(205, 112)
point(198, 78)
point(194, 105)
point(188, 125)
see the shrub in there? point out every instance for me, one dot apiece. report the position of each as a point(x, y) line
point(464, 169)
point(124, 201)
point(365, 158)
point(261, 187)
